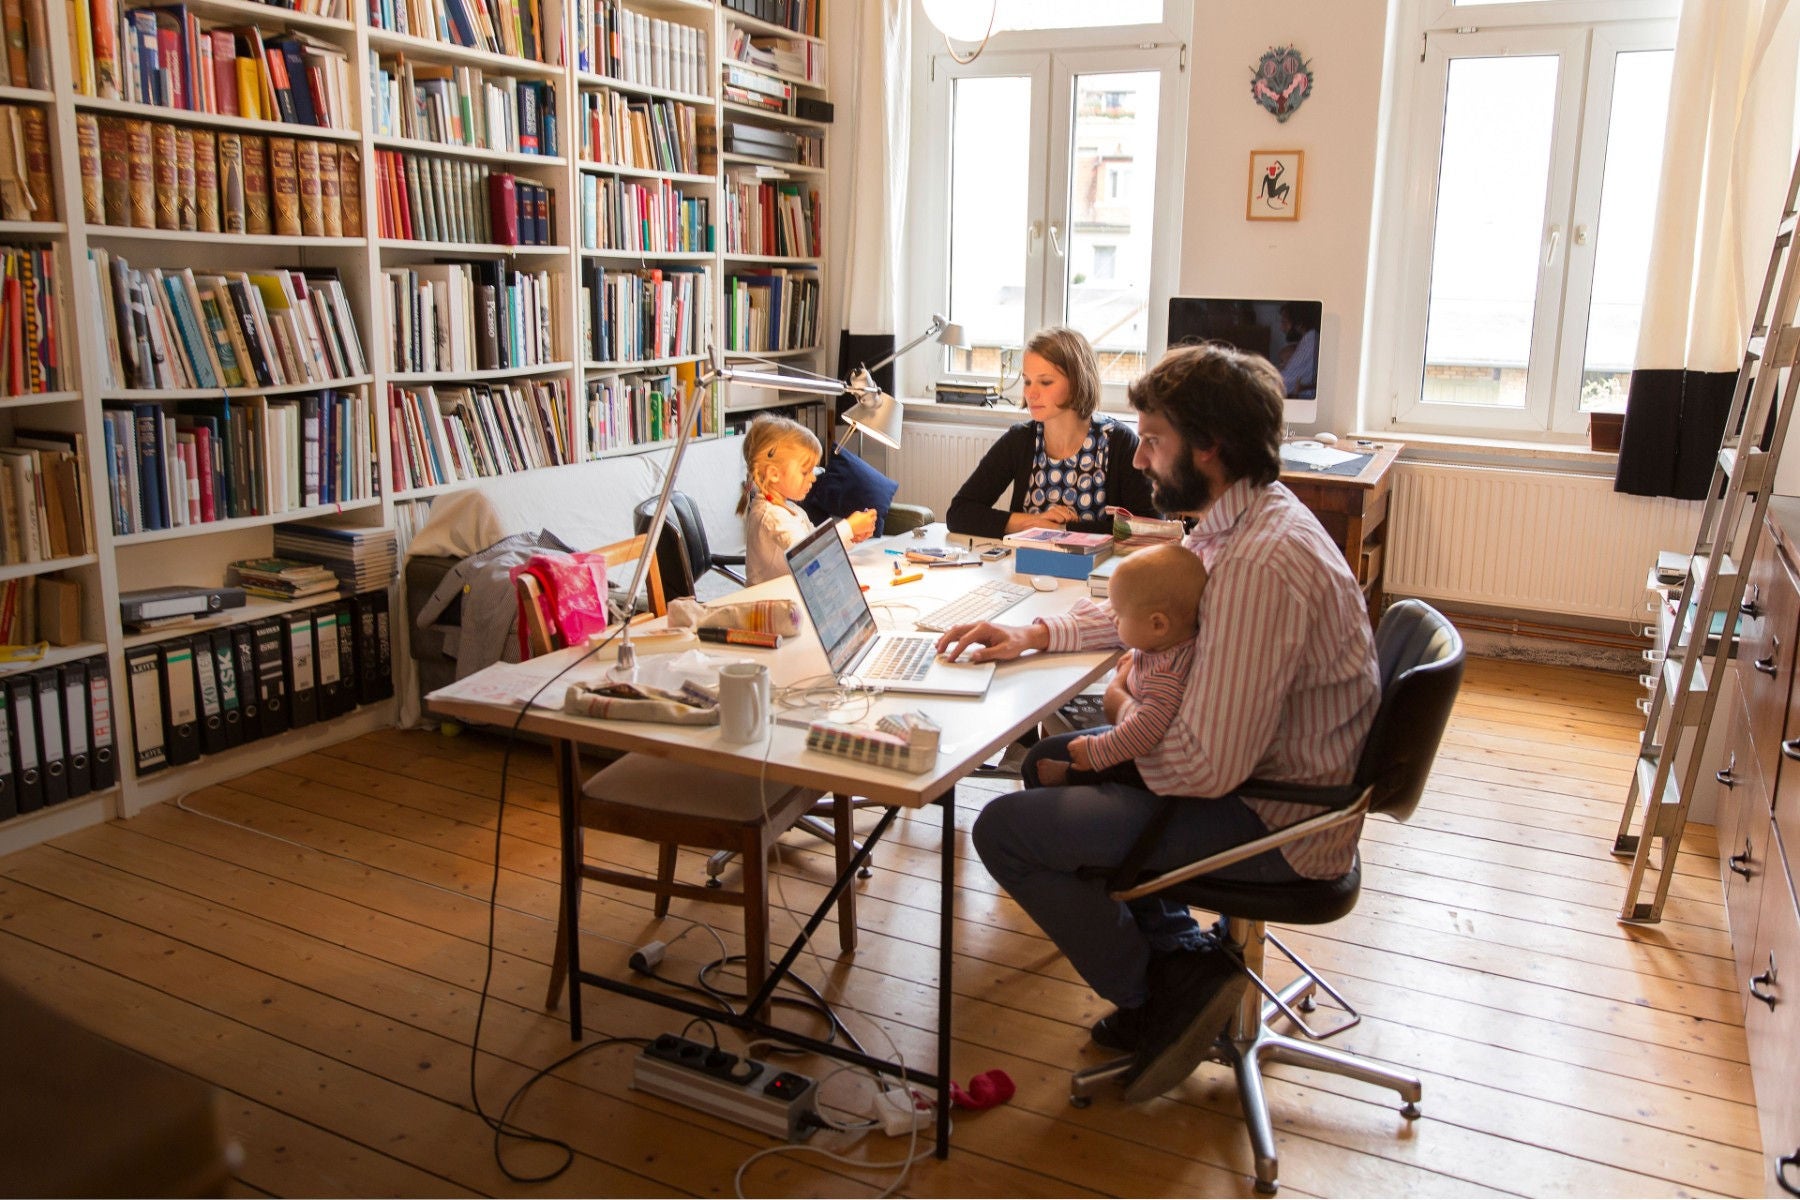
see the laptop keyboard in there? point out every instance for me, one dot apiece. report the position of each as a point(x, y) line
point(983, 603)
point(899, 659)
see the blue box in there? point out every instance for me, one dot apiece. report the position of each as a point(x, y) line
point(1035, 561)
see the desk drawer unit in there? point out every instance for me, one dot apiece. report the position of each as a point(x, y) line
point(1772, 1023)
point(1743, 826)
point(1765, 655)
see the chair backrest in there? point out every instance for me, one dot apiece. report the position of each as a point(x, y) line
point(540, 638)
point(1421, 660)
point(691, 549)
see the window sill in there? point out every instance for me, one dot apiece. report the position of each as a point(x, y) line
point(1498, 452)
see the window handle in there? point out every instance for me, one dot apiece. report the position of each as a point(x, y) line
point(1056, 238)
point(1581, 235)
point(1555, 241)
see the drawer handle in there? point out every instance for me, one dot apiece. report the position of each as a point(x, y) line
point(1791, 749)
point(1749, 607)
point(1766, 665)
point(1726, 777)
point(1781, 1167)
point(1740, 862)
point(1765, 979)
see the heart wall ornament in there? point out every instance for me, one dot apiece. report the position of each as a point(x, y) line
point(1281, 80)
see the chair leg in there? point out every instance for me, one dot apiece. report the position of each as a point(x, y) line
point(559, 967)
point(845, 842)
point(1256, 1120)
point(756, 913)
point(665, 875)
point(1280, 1048)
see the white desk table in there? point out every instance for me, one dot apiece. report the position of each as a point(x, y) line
point(974, 729)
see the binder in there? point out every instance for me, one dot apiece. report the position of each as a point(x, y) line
point(145, 683)
point(103, 757)
point(376, 669)
point(331, 685)
point(9, 796)
point(271, 680)
point(47, 688)
point(243, 653)
point(181, 706)
point(77, 732)
point(362, 618)
point(351, 693)
point(230, 704)
point(21, 700)
point(299, 669)
point(212, 716)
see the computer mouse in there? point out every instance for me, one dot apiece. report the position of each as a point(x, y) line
point(1043, 583)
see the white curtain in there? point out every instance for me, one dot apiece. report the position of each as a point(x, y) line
point(875, 153)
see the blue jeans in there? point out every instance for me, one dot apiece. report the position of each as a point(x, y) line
point(1034, 841)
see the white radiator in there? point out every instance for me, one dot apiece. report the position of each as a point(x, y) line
point(1532, 540)
point(935, 458)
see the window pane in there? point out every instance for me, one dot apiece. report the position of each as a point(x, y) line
point(1075, 14)
point(1634, 153)
point(1106, 271)
point(989, 158)
point(1494, 168)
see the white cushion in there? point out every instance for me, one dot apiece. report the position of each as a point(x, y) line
point(643, 781)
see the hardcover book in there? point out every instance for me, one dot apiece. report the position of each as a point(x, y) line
point(206, 181)
point(141, 164)
point(93, 187)
point(312, 221)
point(256, 184)
point(163, 175)
point(330, 197)
point(284, 182)
point(187, 211)
point(231, 183)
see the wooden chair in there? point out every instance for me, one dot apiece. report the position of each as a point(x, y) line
point(676, 804)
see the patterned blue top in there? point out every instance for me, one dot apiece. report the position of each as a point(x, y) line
point(1078, 481)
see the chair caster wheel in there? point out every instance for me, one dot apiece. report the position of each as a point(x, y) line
point(1080, 1101)
point(1306, 1003)
point(714, 882)
point(1410, 1112)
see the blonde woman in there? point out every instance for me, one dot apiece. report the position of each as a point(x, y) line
point(779, 459)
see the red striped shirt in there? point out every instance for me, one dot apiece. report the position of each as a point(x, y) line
point(1284, 684)
point(1158, 679)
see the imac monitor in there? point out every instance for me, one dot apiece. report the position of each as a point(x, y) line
point(1286, 332)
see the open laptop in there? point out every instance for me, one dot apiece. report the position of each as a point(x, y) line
point(894, 662)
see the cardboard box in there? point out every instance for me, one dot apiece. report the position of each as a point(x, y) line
point(1606, 431)
point(59, 611)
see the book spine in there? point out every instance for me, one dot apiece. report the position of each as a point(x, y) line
point(187, 212)
point(256, 184)
point(142, 165)
point(231, 183)
point(312, 220)
point(93, 185)
point(37, 162)
point(284, 181)
point(331, 201)
point(163, 175)
point(350, 198)
point(206, 181)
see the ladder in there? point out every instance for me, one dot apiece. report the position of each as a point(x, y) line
point(1688, 677)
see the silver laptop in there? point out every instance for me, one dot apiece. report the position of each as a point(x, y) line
point(894, 662)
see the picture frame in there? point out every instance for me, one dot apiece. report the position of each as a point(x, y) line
point(1274, 188)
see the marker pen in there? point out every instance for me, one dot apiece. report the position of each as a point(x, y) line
point(738, 637)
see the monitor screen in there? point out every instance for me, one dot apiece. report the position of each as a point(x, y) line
point(1286, 332)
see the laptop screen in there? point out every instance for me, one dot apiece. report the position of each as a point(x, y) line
point(833, 599)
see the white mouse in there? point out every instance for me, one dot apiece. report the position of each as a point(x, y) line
point(1043, 583)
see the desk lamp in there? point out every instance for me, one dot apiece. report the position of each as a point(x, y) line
point(878, 414)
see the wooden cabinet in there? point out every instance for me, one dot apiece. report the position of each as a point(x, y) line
point(1353, 509)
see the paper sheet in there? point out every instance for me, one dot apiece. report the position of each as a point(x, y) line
point(1313, 454)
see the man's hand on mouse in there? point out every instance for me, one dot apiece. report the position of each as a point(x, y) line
point(991, 642)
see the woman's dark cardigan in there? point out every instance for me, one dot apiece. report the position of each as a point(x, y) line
point(1009, 460)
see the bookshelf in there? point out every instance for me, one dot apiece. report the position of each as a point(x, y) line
point(637, 159)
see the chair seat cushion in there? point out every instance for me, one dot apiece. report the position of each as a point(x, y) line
point(1301, 902)
point(643, 781)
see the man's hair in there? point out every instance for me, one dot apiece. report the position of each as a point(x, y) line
point(1068, 351)
point(1219, 398)
point(1165, 579)
point(769, 440)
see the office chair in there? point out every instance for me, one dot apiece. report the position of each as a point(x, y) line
point(1421, 662)
point(694, 554)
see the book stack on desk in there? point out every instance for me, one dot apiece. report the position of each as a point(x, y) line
point(1059, 552)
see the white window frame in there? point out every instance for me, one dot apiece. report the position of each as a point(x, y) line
point(1051, 59)
point(1587, 35)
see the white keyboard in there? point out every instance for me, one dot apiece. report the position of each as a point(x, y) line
point(982, 603)
point(899, 659)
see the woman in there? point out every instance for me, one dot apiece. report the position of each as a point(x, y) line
point(1065, 464)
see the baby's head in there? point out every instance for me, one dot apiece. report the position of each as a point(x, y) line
point(779, 457)
point(1155, 596)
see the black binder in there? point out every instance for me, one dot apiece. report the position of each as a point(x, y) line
point(230, 705)
point(147, 732)
point(181, 703)
point(9, 796)
point(77, 732)
point(104, 753)
point(327, 666)
point(271, 677)
point(28, 778)
point(47, 685)
point(346, 624)
point(212, 716)
point(243, 654)
point(299, 668)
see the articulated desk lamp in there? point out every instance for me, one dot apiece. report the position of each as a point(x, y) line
point(878, 414)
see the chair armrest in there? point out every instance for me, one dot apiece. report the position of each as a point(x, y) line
point(1327, 796)
point(904, 518)
point(730, 572)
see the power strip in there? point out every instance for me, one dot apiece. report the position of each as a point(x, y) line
point(781, 1104)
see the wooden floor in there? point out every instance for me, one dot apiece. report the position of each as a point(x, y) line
point(312, 940)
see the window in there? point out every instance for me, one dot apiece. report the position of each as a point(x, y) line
point(1535, 152)
point(1048, 194)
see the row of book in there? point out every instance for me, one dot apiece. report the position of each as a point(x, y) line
point(801, 16)
point(779, 217)
point(772, 310)
point(632, 47)
point(744, 85)
point(774, 145)
point(19, 607)
point(653, 217)
point(169, 328)
point(31, 339)
point(518, 28)
point(56, 735)
point(43, 497)
point(796, 58)
point(207, 692)
point(363, 557)
point(461, 106)
point(26, 193)
point(652, 312)
point(452, 434)
point(25, 55)
point(481, 316)
point(165, 57)
point(646, 135)
point(431, 199)
point(637, 410)
point(155, 175)
point(215, 460)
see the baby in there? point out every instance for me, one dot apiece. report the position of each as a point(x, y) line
point(1155, 598)
point(779, 457)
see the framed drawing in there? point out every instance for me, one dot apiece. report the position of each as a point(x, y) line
point(1274, 185)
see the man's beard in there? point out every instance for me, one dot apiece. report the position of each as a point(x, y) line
point(1185, 491)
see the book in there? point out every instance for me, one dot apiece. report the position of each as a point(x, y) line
point(93, 188)
point(206, 181)
point(312, 220)
point(231, 183)
point(284, 184)
point(187, 183)
point(141, 165)
point(256, 184)
point(162, 141)
point(1059, 540)
point(330, 194)
point(350, 197)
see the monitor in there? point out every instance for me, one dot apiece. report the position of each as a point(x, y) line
point(1286, 332)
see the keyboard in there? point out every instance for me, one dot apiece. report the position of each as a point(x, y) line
point(899, 659)
point(982, 603)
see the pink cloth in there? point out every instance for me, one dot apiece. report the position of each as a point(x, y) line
point(572, 591)
point(986, 1090)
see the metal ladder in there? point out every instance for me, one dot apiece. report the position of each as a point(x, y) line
point(1689, 678)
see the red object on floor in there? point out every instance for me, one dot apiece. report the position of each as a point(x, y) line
point(985, 1090)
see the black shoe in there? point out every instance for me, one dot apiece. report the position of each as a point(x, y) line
point(1122, 1029)
point(1193, 995)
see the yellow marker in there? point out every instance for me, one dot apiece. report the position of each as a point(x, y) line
point(913, 578)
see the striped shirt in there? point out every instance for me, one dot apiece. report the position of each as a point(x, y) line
point(1157, 680)
point(1284, 683)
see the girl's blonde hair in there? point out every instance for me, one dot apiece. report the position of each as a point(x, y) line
point(768, 440)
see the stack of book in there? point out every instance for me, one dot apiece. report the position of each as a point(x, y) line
point(772, 310)
point(445, 435)
point(31, 340)
point(283, 578)
point(481, 316)
point(774, 145)
point(772, 217)
point(462, 106)
point(636, 410)
point(655, 312)
point(614, 41)
point(742, 85)
point(653, 216)
point(361, 557)
point(1059, 552)
point(796, 58)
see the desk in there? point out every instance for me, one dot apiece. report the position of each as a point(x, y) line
point(1353, 509)
point(974, 729)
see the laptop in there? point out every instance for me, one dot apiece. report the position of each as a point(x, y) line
point(894, 662)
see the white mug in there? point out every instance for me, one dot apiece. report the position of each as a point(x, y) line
point(743, 702)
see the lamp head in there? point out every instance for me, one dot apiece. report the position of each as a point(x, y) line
point(950, 333)
point(875, 413)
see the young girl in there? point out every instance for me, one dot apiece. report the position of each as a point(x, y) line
point(779, 457)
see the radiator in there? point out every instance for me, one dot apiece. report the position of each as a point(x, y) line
point(935, 458)
point(1532, 540)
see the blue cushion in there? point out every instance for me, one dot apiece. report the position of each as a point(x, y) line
point(850, 485)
